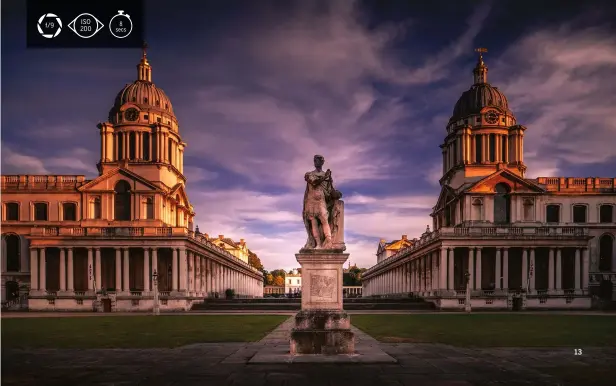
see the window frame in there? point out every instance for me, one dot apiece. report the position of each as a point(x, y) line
point(33, 207)
point(5, 211)
point(62, 209)
point(560, 212)
point(573, 207)
point(612, 206)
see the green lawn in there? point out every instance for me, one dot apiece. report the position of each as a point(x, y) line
point(492, 330)
point(135, 331)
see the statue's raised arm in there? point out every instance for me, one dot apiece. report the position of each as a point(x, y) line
point(323, 212)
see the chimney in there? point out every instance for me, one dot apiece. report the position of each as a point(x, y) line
point(241, 241)
point(404, 237)
point(221, 236)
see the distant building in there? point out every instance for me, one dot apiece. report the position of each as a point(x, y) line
point(387, 249)
point(293, 282)
point(69, 243)
point(533, 243)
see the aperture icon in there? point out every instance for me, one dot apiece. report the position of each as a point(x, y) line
point(85, 25)
point(49, 25)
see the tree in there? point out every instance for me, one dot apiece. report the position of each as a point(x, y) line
point(269, 279)
point(254, 260)
point(279, 272)
point(279, 281)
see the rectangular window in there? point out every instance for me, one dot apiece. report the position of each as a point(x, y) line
point(132, 146)
point(149, 208)
point(12, 211)
point(478, 148)
point(70, 211)
point(40, 211)
point(170, 150)
point(606, 213)
point(492, 147)
point(146, 146)
point(579, 213)
point(96, 208)
point(504, 149)
point(552, 214)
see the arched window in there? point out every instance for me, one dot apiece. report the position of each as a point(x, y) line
point(606, 248)
point(149, 208)
point(40, 211)
point(96, 208)
point(13, 252)
point(552, 213)
point(122, 201)
point(69, 210)
point(502, 204)
point(606, 213)
point(12, 211)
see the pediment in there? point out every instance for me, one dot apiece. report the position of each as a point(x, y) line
point(515, 183)
point(446, 195)
point(398, 244)
point(179, 191)
point(108, 181)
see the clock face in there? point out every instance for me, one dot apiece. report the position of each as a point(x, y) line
point(491, 117)
point(131, 114)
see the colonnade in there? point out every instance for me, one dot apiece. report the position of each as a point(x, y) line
point(435, 272)
point(191, 274)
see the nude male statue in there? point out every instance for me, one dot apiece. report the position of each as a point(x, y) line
point(318, 205)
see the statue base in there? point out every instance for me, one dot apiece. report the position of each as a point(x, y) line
point(322, 327)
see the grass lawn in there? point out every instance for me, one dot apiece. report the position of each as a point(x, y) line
point(585, 375)
point(139, 331)
point(492, 330)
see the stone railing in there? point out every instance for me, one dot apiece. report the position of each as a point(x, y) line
point(139, 232)
point(483, 232)
point(597, 277)
point(10, 182)
point(576, 184)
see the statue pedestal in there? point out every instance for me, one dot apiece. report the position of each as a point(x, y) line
point(322, 327)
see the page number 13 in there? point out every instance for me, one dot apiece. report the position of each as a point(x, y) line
point(577, 351)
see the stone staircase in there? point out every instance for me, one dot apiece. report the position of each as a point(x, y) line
point(284, 304)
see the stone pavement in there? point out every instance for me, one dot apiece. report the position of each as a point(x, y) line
point(228, 364)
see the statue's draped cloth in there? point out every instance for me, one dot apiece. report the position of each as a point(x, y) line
point(323, 203)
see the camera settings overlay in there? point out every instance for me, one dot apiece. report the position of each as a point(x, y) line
point(91, 24)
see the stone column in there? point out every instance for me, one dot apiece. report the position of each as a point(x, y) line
point(525, 268)
point(578, 287)
point(471, 265)
point(559, 270)
point(198, 274)
point(174, 270)
point(450, 269)
point(442, 281)
point(62, 270)
point(155, 252)
point(189, 272)
point(532, 270)
point(478, 267)
point(505, 268)
point(551, 270)
point(34, 283)
point(126, 271)
point(118, 270)
point(42, 270)
point(585, 267)
point(146, 269)
point(70, 274)
point(183, 269)
point(498, 274)
point(97, 269)
point(90, 269)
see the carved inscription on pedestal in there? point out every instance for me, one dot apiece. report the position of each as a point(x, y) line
point(323, 287)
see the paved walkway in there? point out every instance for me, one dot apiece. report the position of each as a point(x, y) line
point(228, 364)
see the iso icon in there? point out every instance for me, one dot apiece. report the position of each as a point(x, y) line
point(85, 25)
point(120, 25)
point(49, 25)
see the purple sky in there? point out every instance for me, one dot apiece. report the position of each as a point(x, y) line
point(259, 87)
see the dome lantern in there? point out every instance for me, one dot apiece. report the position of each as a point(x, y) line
point(144, 70)
point(480, 71)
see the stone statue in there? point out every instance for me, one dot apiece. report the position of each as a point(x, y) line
point(323, 211)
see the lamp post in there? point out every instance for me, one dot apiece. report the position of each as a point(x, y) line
point(155, 309)
point(467, 304)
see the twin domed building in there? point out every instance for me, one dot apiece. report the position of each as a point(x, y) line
point(511, 241)
point(69, 243)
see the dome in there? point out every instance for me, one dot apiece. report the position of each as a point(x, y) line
point(480, 95)
point(145, 95)
point(476, 98)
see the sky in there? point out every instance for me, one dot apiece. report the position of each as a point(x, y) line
point(259, 87)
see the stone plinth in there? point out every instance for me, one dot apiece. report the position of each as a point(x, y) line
point(322, 327)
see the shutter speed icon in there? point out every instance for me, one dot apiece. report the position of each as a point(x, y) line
point(120, 25)
point(85, 25)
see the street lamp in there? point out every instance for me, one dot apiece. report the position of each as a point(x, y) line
point(467, 304)
point(155, 309)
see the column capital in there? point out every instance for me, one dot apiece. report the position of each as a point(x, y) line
point(97, 248)
point(479, 248)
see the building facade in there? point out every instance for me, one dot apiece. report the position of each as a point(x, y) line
point(541, 243)
point(69, 243)
point(293, 282)
point(387, 249)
